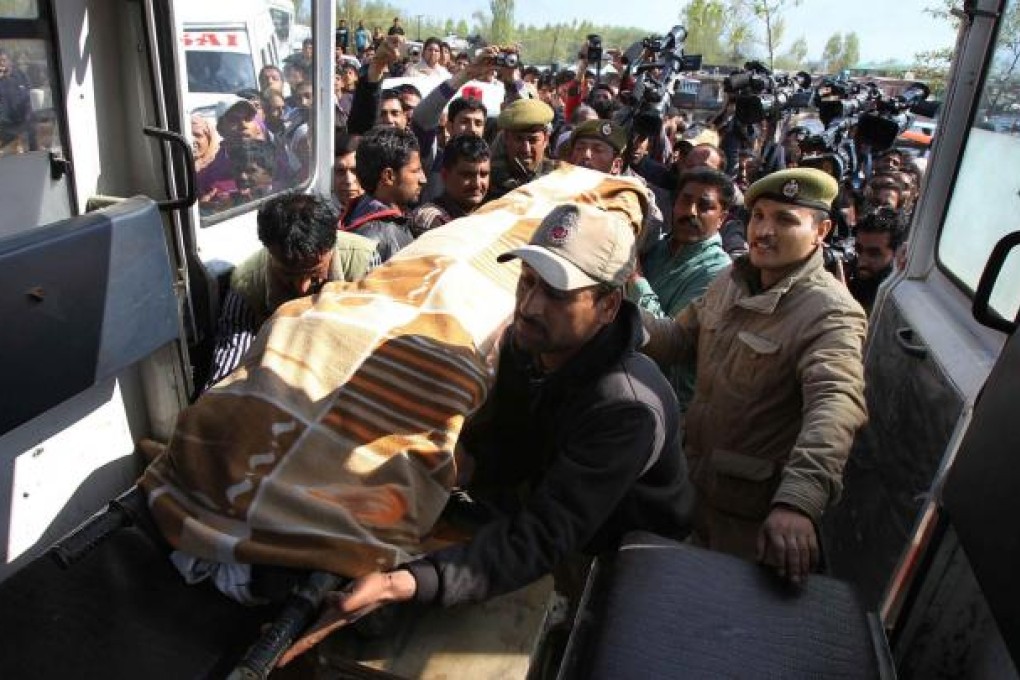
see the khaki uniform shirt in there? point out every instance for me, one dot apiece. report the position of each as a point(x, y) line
point(778, 397)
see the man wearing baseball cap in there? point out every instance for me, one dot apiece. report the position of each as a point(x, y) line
point(776, 341)
point(578, 440)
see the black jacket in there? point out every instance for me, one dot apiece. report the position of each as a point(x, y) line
point(597, 446)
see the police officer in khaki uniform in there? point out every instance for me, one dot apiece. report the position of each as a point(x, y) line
point(524, 126)
point(777, 342)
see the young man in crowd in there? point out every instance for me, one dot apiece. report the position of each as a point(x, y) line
point(466, 168)
point(879, 235)
point(346, 188)
point(389, 170)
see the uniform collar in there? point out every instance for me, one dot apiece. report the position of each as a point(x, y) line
point(747, 278)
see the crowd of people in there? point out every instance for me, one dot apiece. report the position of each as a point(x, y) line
point(751, 278)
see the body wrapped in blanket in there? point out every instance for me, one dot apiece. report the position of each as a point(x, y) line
point(331, 447)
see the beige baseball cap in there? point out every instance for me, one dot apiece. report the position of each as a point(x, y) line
point(577, 246)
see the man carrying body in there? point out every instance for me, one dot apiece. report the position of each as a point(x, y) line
point(577, 442)
point(524, 126)
point(465, 181)
point(301, 251)
point(677, 270)
point(389, 169)
point(779, 392)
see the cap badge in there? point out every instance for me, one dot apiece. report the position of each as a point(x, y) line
point(559, 234)
point(791, 189)
point(607, 129)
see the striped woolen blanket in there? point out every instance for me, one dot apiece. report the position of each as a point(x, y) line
point(331, 446)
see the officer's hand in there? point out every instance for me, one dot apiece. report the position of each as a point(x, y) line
point(788, 542)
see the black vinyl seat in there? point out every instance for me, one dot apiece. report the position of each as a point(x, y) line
point(662, 609)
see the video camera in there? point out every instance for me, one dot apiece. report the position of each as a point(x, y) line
point(507, 60)
point(833, 150)
point(762, 95)
point(891, 116)
point(650, 97)
point(593, 49)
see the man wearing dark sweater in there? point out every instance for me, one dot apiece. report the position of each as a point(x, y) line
point(578, 441)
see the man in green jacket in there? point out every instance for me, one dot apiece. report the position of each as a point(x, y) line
point(302, 251)
point(780, 380)
point(677, 270)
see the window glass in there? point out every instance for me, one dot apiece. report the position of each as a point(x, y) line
point(249, 99)
point(28, 120)
point(19, 9)
point(985, 205)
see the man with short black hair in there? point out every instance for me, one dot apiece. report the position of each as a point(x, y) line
point(465, 115)
point(391, 110)
point(878, 235)
point(884, 191)
point(677, 270)
point(389, 169)
point(396, 28)
point(431, 56)
point(465, 174)
point(301, 251)
point(578, 440)
point(346, 188)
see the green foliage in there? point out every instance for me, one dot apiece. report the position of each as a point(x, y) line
point(501, 29)
point(770, 15)
point(795, 57)
point(841, 52)
point(561, 42)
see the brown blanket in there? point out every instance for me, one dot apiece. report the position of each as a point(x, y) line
point(332, 445)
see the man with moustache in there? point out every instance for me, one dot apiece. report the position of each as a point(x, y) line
point(677, 269)
point(577, 442)
point(525, 126)
point(465, 183)
point(779, 393)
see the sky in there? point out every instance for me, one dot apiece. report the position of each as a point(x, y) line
point(888, 29)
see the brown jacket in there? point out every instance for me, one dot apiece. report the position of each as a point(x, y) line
point(778, 398)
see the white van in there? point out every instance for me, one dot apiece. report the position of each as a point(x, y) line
point(224, 45)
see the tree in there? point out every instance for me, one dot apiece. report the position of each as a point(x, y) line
point(705, 21)
point(851, 50)
point(502, 27)
point(832, 51)
point(795, 58)
point(770, 14)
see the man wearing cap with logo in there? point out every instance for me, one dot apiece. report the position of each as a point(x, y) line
point(577, 442)
point(779, 393)
point(525, 127)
